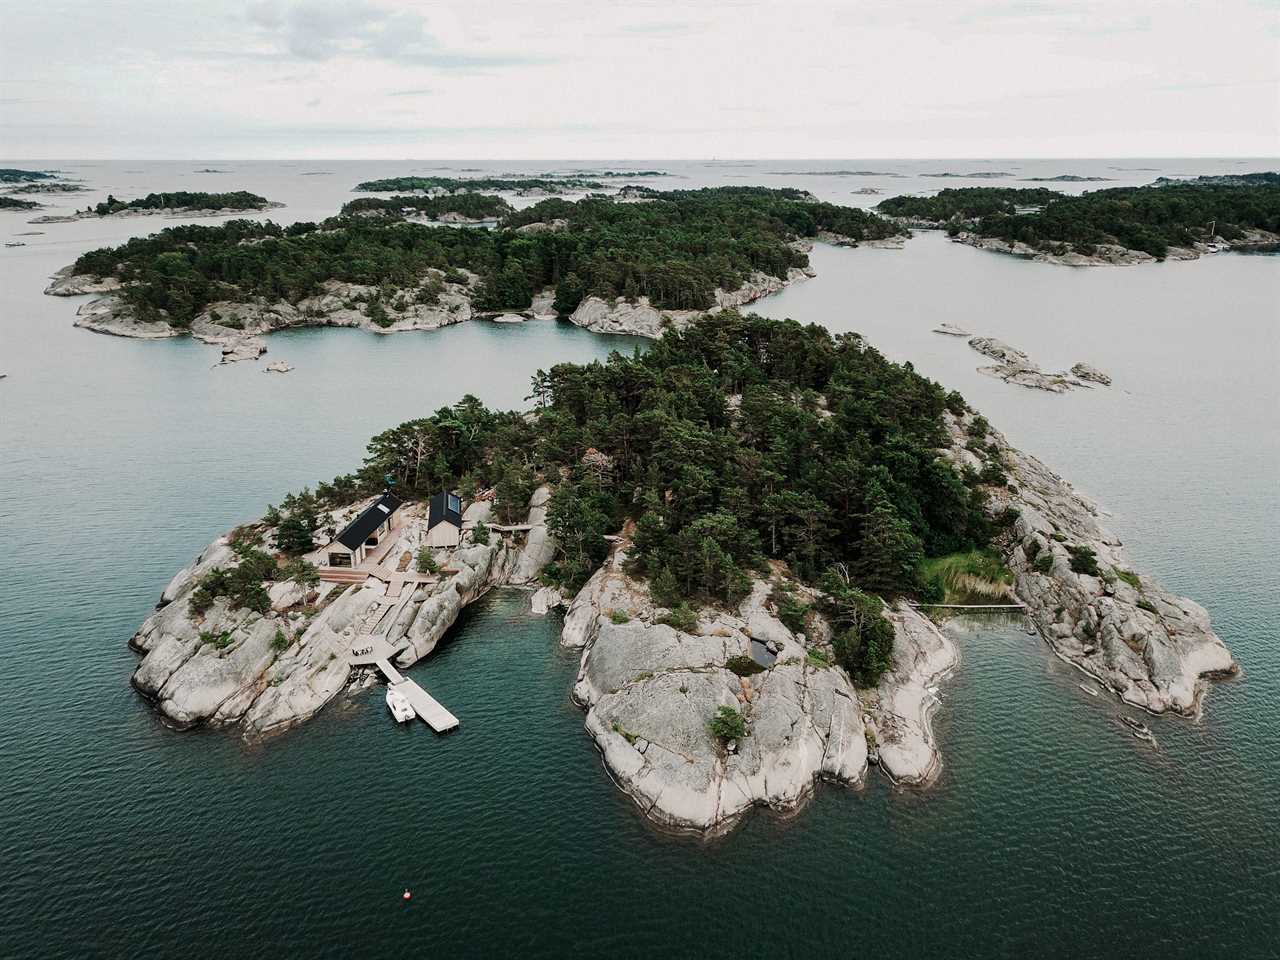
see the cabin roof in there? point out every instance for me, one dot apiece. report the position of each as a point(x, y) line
point(445, 507)
point(369, 520)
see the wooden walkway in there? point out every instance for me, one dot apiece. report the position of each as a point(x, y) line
point(427, 707)
point(971, 606)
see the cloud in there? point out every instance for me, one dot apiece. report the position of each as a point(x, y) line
point(322, 30)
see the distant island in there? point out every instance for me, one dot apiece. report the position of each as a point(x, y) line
point(745, 522)
point(456, 208)
point(1119, 225)
point(522, 186)
point(980, 175)
point(190, 203)
point(832, 173)
point(607, 265)
point(1065, 178)
point(12, 203)
point(15, 175)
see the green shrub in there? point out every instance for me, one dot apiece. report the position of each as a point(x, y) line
point(1043, 563)
point(682, 618)
point(300, 571)
point(664, 588)
point(791, 611)
point(1084, 560)
point(619, 616)
point(1129, 577)
point(480, 534)
point(979, 427)
point(728, 724)
point(817, 658)
point(1147, 605)
point(426, 561)
point(219, 640)
point(743, 666)
point(280, 641)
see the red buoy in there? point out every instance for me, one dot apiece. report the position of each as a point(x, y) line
point(407, 895)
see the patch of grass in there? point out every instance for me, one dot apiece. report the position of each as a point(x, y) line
point(1147, 605)
point(816, 658)
point(619, 616)
point(791, 611)
point(1043, 563)
point(1129, 577)
point(728, 724)
point(219, 640)
point(977, 576)
point(743, 666)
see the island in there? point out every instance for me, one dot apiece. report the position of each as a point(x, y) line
point(1179, 220)
point(605, 264)
point(545, 186)
point(747, 524)
point(16, 175)
point(180, 203)
point(13, 203)
point(449, 208)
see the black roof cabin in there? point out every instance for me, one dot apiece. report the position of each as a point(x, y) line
point(370, 519)
point(445, 507)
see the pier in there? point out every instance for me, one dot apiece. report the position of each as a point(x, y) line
point(376, 651)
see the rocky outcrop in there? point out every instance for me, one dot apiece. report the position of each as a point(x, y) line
point(951, 330)
point(66, 283)
point(539, 546)
point(639, 318)
point(266, 672)
point(184, 212)
point(1085, 371)
point(1155, 649)
point(1016, 367)
point(650, 692)
point(900, 707)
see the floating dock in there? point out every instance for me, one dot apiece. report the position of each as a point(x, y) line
point(427, 707)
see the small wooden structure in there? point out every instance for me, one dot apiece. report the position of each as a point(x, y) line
point(363, 534)
point(444, 520)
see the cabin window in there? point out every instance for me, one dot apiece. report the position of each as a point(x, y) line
point(371, 542)
point(339, 559)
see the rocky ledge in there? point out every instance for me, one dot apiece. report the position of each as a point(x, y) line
point(640, 318)
point(650, 691)
point(1153, 648)
point(267, 672)
point(1014, 366)
point(1112, 254)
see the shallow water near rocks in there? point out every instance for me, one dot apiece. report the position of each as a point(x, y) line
point(1051, 832)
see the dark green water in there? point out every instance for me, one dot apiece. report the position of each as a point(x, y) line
point(1052, 833)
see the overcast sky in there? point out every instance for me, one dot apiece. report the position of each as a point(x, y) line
point(641, 78)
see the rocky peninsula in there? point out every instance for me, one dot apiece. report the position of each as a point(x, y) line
point(180, 204)
point(269, 670)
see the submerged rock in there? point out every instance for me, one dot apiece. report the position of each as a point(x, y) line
point(1084, 371)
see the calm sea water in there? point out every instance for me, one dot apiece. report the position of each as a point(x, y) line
point(1051, 832)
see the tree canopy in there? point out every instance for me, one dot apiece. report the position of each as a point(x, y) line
point(675, 248)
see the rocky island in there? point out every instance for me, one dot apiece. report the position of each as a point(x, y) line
point(744, 524)
point(604, 264)
point(181, 203)
point(1174, 220)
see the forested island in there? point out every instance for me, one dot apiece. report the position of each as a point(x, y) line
point(16, 175)
point(524, 186)
point(605, 264)
point(181, 200)
point(738, 519)
point(460, 207)
point(13, 203)
point(1169, 219)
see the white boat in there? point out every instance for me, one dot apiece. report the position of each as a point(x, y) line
point(1089, 689)
point(400, 707)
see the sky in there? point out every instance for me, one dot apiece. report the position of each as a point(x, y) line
point(599, 79)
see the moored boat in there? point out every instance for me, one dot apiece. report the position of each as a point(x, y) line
point(1089, 688)
point(400, 707)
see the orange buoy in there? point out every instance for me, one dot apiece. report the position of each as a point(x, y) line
point(407, 895)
